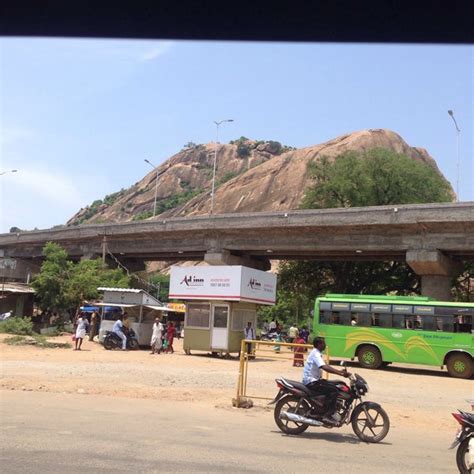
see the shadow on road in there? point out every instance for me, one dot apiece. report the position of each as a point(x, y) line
point(332, 437)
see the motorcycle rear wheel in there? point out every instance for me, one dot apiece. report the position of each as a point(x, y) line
point(108, 344)
point(370, 423)
point(292, 404)
point(133, 344)
point(461, 457)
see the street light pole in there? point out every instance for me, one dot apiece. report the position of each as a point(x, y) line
point(458, 158)
point(156, 185)
point(9, 171)
point(215, 162)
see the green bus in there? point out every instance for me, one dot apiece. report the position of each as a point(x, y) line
point(379, 330)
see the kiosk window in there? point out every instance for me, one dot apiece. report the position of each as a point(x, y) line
point(198, 315)
point(240, 318)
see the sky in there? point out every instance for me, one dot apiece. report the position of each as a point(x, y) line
point(79, 117)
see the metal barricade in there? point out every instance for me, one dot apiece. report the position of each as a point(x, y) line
point(242, 398)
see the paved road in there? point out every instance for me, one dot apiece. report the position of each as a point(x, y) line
point(48, 432)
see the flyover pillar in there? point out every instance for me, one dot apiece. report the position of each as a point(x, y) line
point(224, 257)
point(436, 271)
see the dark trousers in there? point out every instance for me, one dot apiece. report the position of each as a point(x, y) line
point(323, 387)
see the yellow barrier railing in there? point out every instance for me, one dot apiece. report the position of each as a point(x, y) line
point(242, 398)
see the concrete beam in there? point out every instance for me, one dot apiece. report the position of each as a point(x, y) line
point(432, 262)
point(436, 270)
point(224, 257)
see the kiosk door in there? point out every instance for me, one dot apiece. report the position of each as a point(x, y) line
point(220, 327)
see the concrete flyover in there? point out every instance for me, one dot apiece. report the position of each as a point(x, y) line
point(433, 238)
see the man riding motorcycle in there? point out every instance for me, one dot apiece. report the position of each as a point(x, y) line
point(312, 378)
point(118, 329)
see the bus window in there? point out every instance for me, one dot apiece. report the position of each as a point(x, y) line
point(385, 320)
point(345, 318)
point(448, 324)
point(325, 317)
point(409, 322)
point(334, 318)
point(429, 323)
point(364, 319)
point(463, 323)
point(439, 324)
point(375, 319)
point(398, 321)
point(418, 323)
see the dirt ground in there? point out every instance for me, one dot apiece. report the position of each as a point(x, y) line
point(411, 396)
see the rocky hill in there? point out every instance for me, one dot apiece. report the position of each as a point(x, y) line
point(251, 176)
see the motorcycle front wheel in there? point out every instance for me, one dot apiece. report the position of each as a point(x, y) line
point(291, 404)
point(370, 423)
point(462, 456)
point(108, 344)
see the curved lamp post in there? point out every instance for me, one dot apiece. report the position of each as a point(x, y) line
point(215, 162)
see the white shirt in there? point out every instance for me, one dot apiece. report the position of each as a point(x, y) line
point(249, 333)
point(117, 327)
point(272, 325)
point(311, 372)
point(157, 329)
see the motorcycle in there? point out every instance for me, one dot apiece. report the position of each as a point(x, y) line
point(464, 441)
point(272, 336)
point(297, 408)
point(113, 341)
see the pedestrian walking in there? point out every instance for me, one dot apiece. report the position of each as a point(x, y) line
point(292, 333)
point(94, 325)
point(82, 325)
point(156, 342)
point(170, 333)
point(298, 358)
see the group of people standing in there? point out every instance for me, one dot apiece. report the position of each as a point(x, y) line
point(162, 337)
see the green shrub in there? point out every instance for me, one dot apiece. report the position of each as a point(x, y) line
point(15, 340)
point(143, 215)
point(22, 326)
point(243, 150)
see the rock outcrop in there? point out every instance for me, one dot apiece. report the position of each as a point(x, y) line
point(251, 176)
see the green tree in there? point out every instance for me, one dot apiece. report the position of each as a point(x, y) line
point(63, 284)
point(376, 177)
point(51, 283)
point(372, 178)
point(86, 276)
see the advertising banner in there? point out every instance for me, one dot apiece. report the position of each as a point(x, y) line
point(222, 282)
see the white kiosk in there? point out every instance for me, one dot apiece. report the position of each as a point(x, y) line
point(220, 301)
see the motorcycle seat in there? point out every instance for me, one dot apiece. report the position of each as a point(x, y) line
point(298, 385)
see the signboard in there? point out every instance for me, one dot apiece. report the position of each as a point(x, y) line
point(177, 307)
point(223, 282)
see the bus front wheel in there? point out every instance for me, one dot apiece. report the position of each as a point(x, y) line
point(369, 357)
point(460, 365)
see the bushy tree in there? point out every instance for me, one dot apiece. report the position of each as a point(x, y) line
point(63, 284)
point(374, 178)
point(51, 283)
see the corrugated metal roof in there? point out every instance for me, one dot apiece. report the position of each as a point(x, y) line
point(14, 287)
point(121, 290)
